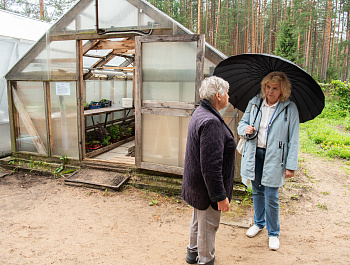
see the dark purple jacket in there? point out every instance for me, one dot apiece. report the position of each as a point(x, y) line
point(209, 159)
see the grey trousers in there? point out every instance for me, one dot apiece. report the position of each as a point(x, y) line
point(204, 225)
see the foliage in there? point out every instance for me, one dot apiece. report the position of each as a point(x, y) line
point(328, 134)
point(341, 94)
point(51, 9)
point(286, 45)
point(114, 132)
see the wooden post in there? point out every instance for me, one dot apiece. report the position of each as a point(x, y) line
point(80, 101)
point(137, 103)
point(11, 116)
point(47, 102)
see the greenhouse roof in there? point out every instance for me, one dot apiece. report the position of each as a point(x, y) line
point(53, 57)
point(21, 27)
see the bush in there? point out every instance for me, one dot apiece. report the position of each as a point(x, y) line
point(328, 134)
point(341, 94)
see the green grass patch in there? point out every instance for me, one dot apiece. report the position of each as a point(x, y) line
point(328, 134)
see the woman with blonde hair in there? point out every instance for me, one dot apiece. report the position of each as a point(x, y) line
point(270, 153)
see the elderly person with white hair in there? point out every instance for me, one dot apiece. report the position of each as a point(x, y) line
point(209, 169)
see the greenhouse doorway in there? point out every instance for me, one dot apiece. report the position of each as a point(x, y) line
point(108, 95)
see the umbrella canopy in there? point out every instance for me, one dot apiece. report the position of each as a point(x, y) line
point(245, 72)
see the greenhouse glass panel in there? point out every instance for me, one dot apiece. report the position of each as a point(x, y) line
point(11, 50)
point(164, 139)
point(64, 119)
point(32, 118)
point(84, 20)
point(56, 61)
point(209, 67)
point(120, 13)
point(166, 75)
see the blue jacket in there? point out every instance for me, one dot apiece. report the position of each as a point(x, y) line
point(209, 159)
point(282, 143)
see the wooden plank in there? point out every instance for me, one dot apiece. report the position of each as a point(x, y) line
point(130, 69)
point(38, 76)
point(11, 115)
point(49, 118)
point(92, 112)
point(39, 145)
point(126, 44)
point(80, 97)
point(199, 66)
point(173, 38)
point(167, 104)
point(137, 103)
point(89, 45)
point(169, 112)
point(162, 168)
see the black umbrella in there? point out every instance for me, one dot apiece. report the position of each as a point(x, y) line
point(245, 72)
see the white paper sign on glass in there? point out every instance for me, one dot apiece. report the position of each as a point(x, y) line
point(63, 89)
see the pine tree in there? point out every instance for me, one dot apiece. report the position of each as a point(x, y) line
point(287, 41)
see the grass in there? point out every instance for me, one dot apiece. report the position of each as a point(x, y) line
point(328, 134)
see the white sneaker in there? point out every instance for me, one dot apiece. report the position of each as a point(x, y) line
point(274, 243)
point(253, 231)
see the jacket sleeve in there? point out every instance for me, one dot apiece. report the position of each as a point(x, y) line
point(293, 135)
point(211, 159)
point(245, 121)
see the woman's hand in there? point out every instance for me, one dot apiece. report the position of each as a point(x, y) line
point(224, 205)
point(249, 129)
point(289, 173)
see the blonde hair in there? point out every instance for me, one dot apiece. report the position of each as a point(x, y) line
point(212, 85)
point(274, 78)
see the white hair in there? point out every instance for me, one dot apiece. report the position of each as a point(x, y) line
point(212, 85)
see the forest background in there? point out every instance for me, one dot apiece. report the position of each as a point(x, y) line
point(315, 34)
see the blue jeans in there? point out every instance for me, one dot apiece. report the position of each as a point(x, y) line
point(265, 199)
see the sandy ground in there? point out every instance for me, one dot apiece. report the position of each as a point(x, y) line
point(44, 221)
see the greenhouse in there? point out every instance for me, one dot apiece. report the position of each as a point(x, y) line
point(112, 81)
point(17, 35)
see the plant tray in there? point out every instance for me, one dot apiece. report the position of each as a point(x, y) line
point(95, 106)
point(106, 104)
point(94, 148)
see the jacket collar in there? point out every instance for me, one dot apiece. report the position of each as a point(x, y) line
point(256, 101)
point(205, 104)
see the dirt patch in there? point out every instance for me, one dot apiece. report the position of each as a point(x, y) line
point(44, 221)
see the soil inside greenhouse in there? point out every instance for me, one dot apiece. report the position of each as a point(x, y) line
point(44, 221)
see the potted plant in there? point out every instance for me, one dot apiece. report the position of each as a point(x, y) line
point(105, 103)
point(106, 141)
point(88, 144)
point(86, 105)
point(114, 133)
point(96, 144)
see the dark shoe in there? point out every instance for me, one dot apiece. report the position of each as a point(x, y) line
point(191, 257)
point(211, 262)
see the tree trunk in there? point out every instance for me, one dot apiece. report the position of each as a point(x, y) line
point(263, 30)
point(345, 72)
point(199, 21)
point(41, 6)
point(217, 24)
point(270, 33)
point(327, 31)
